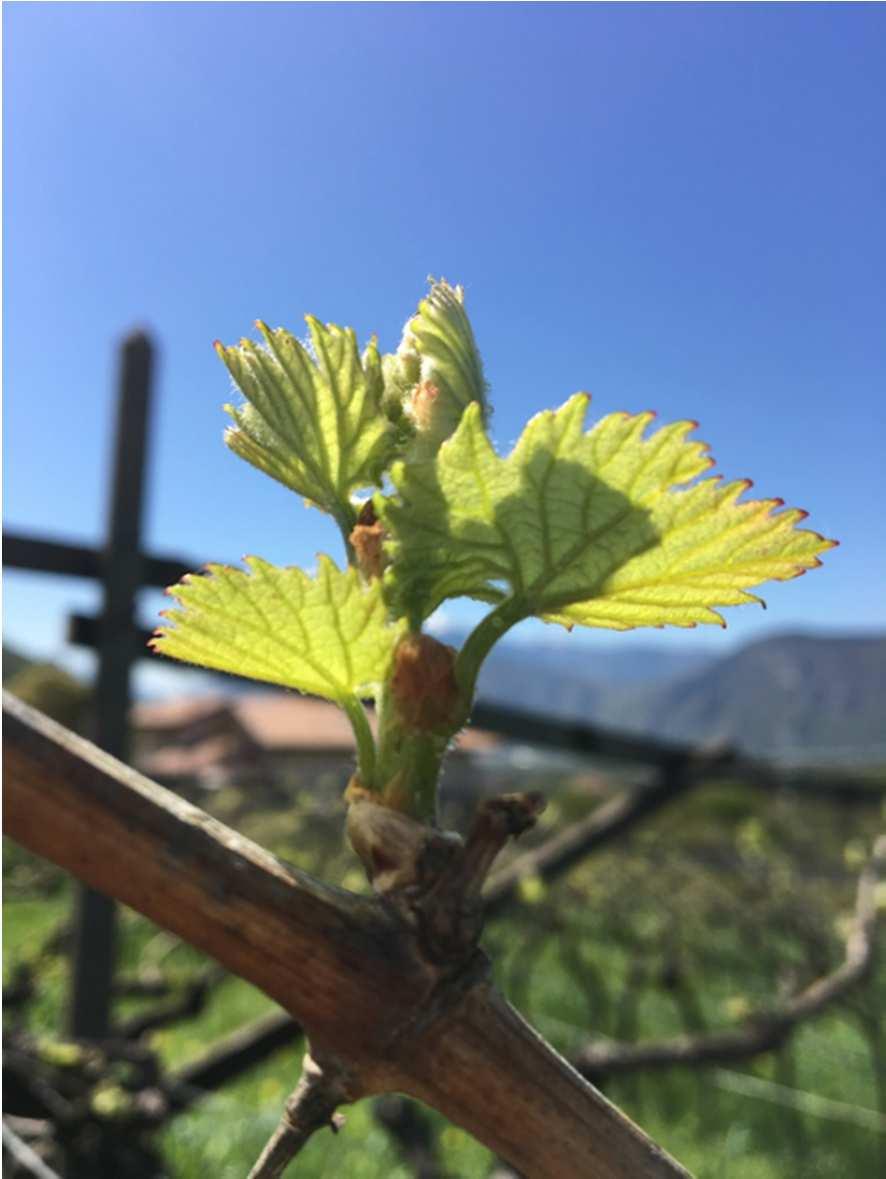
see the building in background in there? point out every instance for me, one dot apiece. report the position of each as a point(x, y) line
point(278, 742)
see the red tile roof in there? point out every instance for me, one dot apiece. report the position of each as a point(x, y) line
point(275, 721)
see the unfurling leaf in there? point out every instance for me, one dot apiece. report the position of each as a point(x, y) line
point(313, 422)
point(327, 635)
point(596, 528)
point(436, 372)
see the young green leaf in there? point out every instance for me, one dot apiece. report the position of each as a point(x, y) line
point(436, 372)
point(595, 528)
point(313, 422)
point(327, 635)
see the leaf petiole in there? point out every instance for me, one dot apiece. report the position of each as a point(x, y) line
point(356, 714)
point(479, 643)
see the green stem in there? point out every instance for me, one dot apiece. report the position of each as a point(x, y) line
point(345, 517)
point(477, 646)
point(365, 741)
point(422, 755)
point(409, 762)
point(408, 765)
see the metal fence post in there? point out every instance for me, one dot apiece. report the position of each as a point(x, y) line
point(95, 914)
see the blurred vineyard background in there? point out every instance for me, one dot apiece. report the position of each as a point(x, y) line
point(702, 917)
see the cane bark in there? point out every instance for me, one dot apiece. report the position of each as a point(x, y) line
point(346, 967)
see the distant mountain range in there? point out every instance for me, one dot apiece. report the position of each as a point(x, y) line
point(794, 698)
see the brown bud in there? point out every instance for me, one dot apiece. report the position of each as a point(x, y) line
point(367, 538)
point(423, 684)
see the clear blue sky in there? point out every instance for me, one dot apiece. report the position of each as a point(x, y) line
point(678, 207)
